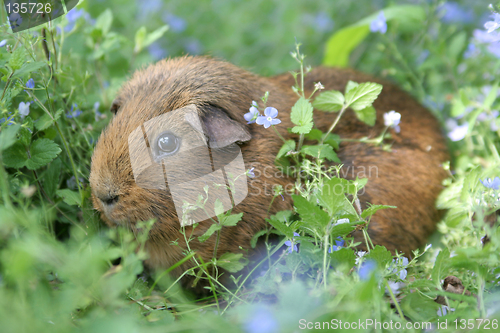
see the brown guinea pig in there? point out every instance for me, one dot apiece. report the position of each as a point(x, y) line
point(144, 159)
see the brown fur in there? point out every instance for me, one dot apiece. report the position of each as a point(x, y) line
point(409, 177)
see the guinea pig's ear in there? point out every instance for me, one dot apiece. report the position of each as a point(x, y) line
point(115, 106)
point(220, 129)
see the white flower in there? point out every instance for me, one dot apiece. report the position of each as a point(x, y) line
point(459, 132)
point(24, 109)
point(319, 86)
point(392, 119)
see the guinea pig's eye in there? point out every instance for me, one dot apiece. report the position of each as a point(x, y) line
point(167, 143)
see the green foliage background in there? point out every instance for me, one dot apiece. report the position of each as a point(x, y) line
point(56, 258)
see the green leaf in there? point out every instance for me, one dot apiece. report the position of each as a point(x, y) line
point(342, 43)
point(456, 46)
point(332, 194)
point(104, 21)
point(313, 215)
point(42, 152)
point(155, 35)
point(8, 136)
point(29, 68)
point(492, 96)
point(332, 139)
point(440, 265)
point(343, 257)
point(350, 85)
point(281, 227)
point(231, 220)
point(15, 156)
point(302, 116)
point(70, 197)
point(457, 107)
point(232, 262)
point(331, 101)
point(289, 145)
point(342, 229)
point(373, 209)
point(363, 95)
point(46, 120)
point(419, 308)
point(218, 209)
point(381, 255)
point(140, 36)
point(213, 228)
point(51, 177)
point(367, 115)
point(321, 151)
point(255, 238)
point(17, 58)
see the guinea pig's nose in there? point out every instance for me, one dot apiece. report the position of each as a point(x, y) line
point(109, 199)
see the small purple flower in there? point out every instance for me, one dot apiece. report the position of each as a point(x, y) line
point(3, 43)
point(366, 269)
point(30, 84)
point(74, 113)
point(250, 173)
point(291, 244)
point(493, 25)
point(339, 242)
point(269, 118)
point(402, 273)
point(24, 109)
point(471, 51)
point(261, 321)
point(9, 120)
point(484, 37)
point(157, 51)
point(176, 23)
point(252, 115)
point(74, 15)
point(392, 119)
point(459, 132)
point(379, 24)
point(489, 183)
point(454, 13)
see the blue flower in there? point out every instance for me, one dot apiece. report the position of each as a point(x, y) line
point(24, 109)
point(15, 20)
point(392, 119)
point(157, 51)
point(269, 117)
point(176, 23)
point(9, 120)
point(74, 15)
point(193, 46)
point(493, 25)
point(291, 244)
point(3, 43)
point(252, 115)
point(261, 321)
point(493, 184)
point(250, 173)
point(459, 132)
point(74, 113)
point(339, 242)
point(30, 84)
point(366, 269)
point(454, 13)
point(402, 272)
point(379, 24)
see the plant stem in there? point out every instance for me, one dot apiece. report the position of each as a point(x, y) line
point(334, 124)
point(395, 300)
point(274, 128)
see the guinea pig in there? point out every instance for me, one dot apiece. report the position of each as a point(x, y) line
point(199, 103)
